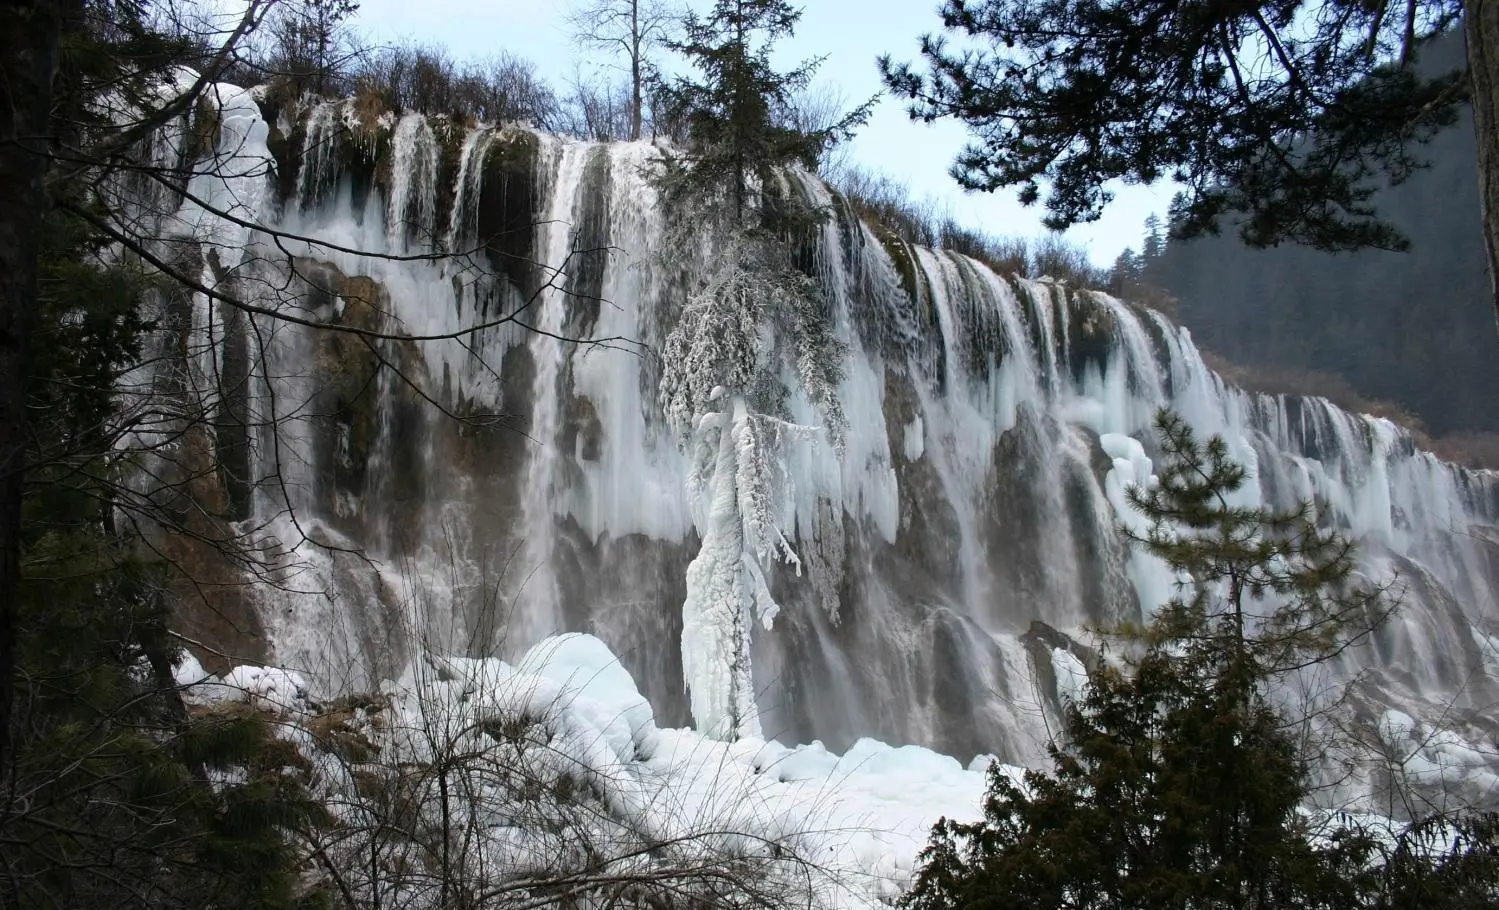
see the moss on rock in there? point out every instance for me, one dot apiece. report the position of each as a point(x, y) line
point(346, 369)
point(508, 203)
point(450, 135)
point(1092, 334)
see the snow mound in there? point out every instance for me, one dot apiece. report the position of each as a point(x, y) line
point(272, 688)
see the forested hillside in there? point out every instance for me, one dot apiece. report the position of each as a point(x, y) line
point(1409, 328)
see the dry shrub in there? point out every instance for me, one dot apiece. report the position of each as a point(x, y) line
point(886, 205)
point(1476, 450)
point(885, 202)
point(1005, 255)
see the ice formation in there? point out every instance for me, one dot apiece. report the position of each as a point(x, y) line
point(967, 519)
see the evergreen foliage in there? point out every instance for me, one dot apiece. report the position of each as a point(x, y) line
point(1409, 329)
point(1179, 784)
point(114, 793)
point(1284, 115)
point(1154, 243)
point(1126, 272)
point(117, 794)
point(731, 195)
point(1270, 591)
point(736, 145)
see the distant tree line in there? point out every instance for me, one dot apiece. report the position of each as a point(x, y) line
point(314, 47)
point(1369, 326)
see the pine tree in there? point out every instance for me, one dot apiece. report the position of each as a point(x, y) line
point(1154, 243)
point(1179, 784)
point(1129, 266)
point(716, 365)
point(1271, 591)
point(736, 148)
point(1281, 121)
point(114, 794)
point(126, 792)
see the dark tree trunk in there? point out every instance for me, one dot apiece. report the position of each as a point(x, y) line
point(29, 35)
point(635, 73)
point(635, 100)
point(1483, 63)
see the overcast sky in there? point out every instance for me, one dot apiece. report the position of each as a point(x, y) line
point(850, 33)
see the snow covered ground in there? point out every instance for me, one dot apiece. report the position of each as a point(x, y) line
point(850, 826)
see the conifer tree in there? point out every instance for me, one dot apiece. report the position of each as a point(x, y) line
point(1129, 266)
point(112, 793)
point(114, 790)
point(731, 196)
point(1270, 590)
point(1155, 242)
point(1179, 784)
point(1282, 117)
point(735, 146)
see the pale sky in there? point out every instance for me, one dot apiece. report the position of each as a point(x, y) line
point(851, 33)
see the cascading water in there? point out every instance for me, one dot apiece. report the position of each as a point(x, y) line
point(519, 480)
point(413, 183)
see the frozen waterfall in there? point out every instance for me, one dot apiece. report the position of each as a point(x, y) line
point(501, 471)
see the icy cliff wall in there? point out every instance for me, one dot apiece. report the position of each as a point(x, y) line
point(454, 444)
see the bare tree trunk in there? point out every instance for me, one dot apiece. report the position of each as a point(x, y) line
point(29, 36)
point(1483, 65)
point(635, 101)
point(635, 51)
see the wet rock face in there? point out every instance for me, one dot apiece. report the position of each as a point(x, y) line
point(1015, 507)
point(369, 420)
point(509, 204)
point(926, 544)
point(582, 433)
point(584, 285)
point(1093, 338)
point(629, 593)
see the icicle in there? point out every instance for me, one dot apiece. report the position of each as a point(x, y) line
point(321, 148)
point(464, 221)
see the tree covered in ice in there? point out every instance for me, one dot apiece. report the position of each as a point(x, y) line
point(720, 363)
point(734, 201)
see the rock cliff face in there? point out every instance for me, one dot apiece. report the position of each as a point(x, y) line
point(501, 471)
